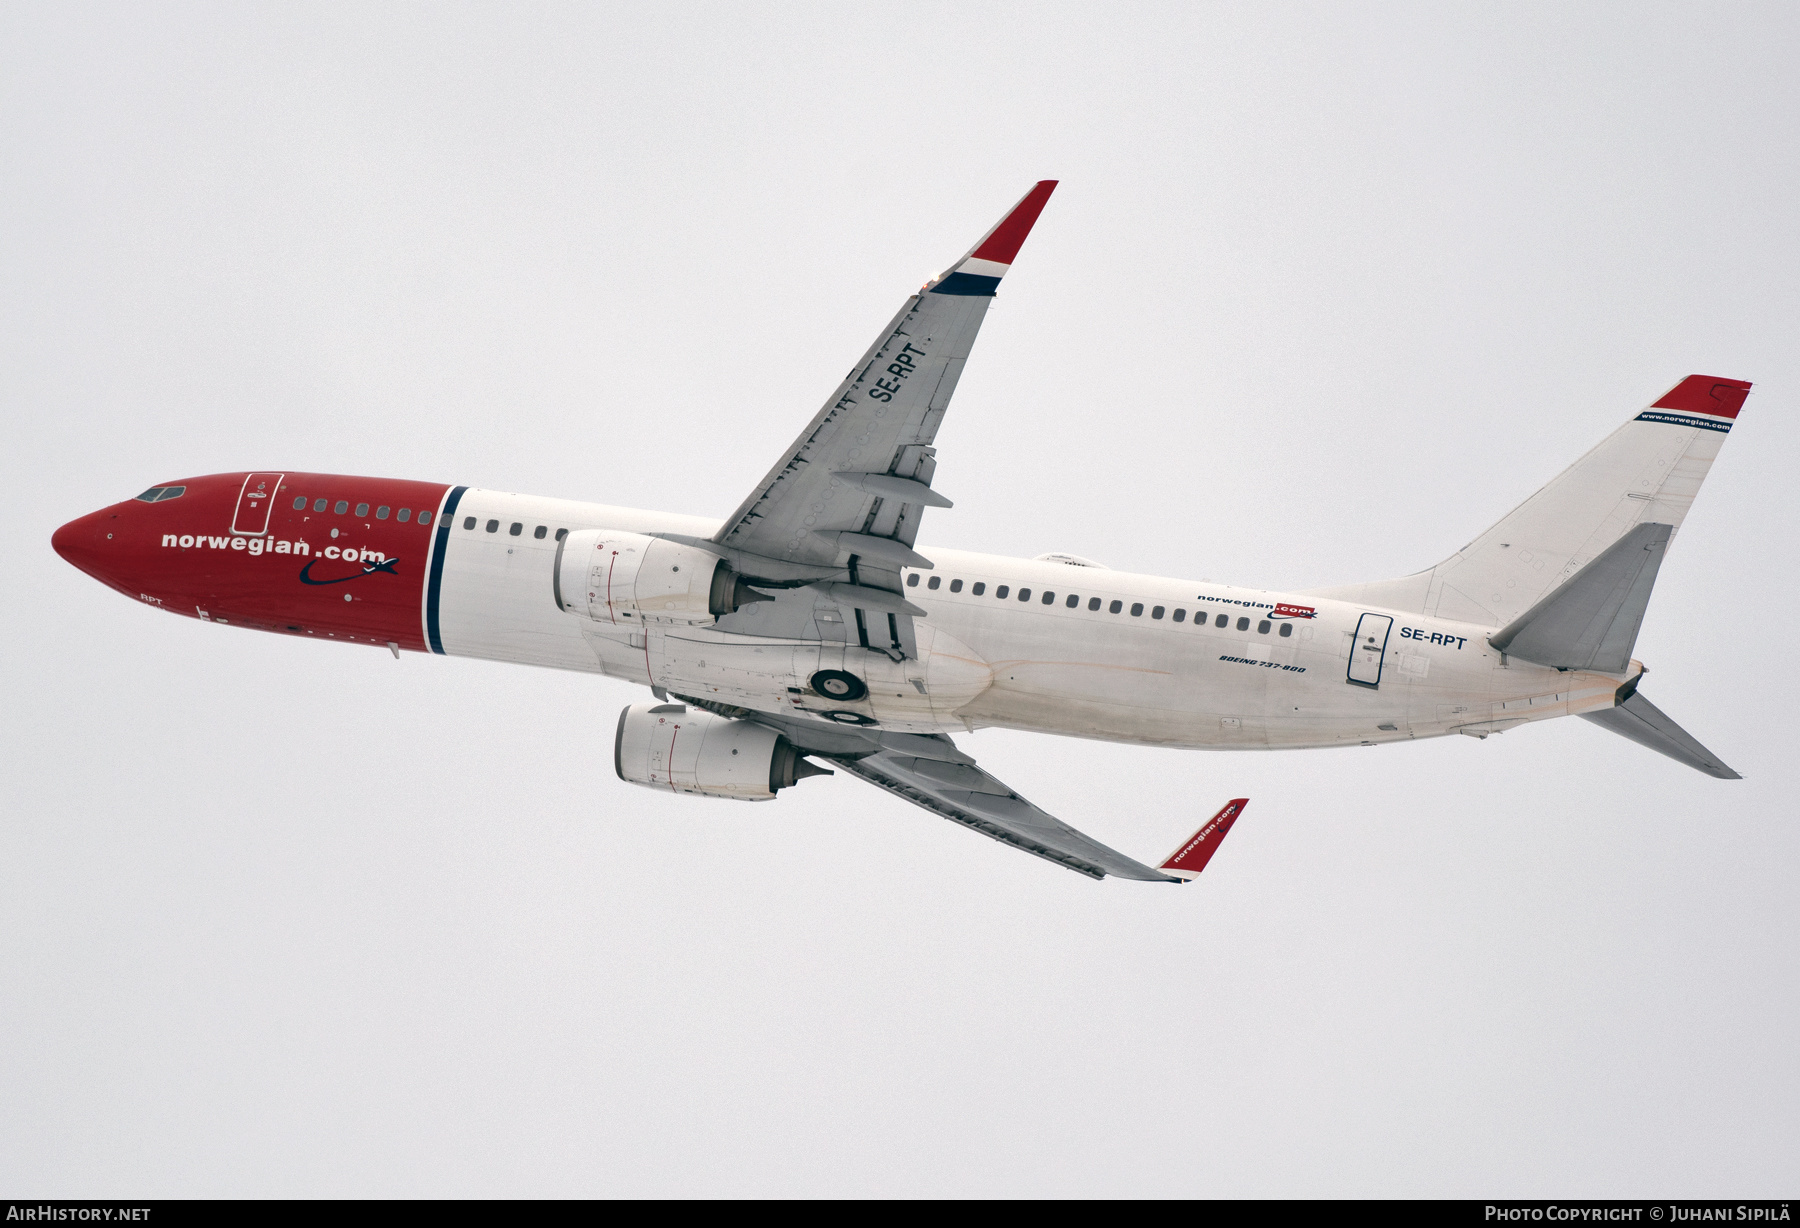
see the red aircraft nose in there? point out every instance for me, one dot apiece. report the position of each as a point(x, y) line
point(80, 542)
point(103, 545)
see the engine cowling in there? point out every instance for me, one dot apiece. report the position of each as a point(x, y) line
point(680, 749)
point(627, 578)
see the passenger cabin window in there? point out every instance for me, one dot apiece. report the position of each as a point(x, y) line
point(404, 515)
point(1093, 603)
point(1073, 601)
point(516, 529)
point(978, 588)
point(1115, 607)
point(1243, 624)
point(425, 516)
point(1157, 612)
point(934, 582)
point(468, 522)
point(381, 513)
point(540, 531)
point(1137, 609)
point(1178, 615)
point(1287, 629)
point(340, 507)
point(912, 581)
point(300, 504)
point(1262, 628)
point(1222, 620)
point(956, 586)
point(318, 505)
point(362, 509)
point(1049, 598)
point(561, 533)
point(493, 526)
point(1024, 594)
point(1002, 591)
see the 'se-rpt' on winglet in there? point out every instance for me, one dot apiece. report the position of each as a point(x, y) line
point(1187, 861)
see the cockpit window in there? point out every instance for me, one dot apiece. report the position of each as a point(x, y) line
point(156, 494)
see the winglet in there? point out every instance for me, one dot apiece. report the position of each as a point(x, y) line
point(1187, 861)
point(980, 271)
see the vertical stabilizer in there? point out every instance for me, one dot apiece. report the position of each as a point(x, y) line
point(1646, 472)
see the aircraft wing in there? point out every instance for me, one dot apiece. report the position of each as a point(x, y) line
point(840, 509)
point(958, 790)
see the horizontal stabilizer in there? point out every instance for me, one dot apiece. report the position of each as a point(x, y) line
point(1187, 861)
point(1591, 620)
point(1644, 723)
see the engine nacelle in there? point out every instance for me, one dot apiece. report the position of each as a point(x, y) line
point(627, 578)
point(680, 749)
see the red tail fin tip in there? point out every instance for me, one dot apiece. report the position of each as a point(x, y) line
point(1706, 394)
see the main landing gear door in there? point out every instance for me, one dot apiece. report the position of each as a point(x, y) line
point(1371, 643)
point(254, 502)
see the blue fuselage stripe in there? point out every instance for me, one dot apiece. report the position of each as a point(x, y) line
point(1663, 415)
point(446, 520)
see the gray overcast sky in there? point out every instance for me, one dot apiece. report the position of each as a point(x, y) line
point(1325, 291)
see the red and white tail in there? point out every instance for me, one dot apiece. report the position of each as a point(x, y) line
point(1646, 472)
point(1187, 861)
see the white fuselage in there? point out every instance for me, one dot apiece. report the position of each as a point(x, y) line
point(1180, 679)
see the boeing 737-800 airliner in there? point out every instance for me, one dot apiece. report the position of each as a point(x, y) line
point(810, 627)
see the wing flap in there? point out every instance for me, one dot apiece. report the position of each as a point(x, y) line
point(979, 801)
point(844, 500)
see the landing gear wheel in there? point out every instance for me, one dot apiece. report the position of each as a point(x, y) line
point(835, 684)
point(849, 718)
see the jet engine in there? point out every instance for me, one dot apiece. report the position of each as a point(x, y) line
point(685, 750)
point(626, 578)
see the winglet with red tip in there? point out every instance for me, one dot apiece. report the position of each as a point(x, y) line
point(1187, 861)
point(980, 271)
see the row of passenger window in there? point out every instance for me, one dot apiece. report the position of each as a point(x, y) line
point(1073, 601)
point(518, 527)
point(362, 509)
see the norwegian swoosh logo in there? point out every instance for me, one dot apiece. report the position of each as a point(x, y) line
point(369, 569)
